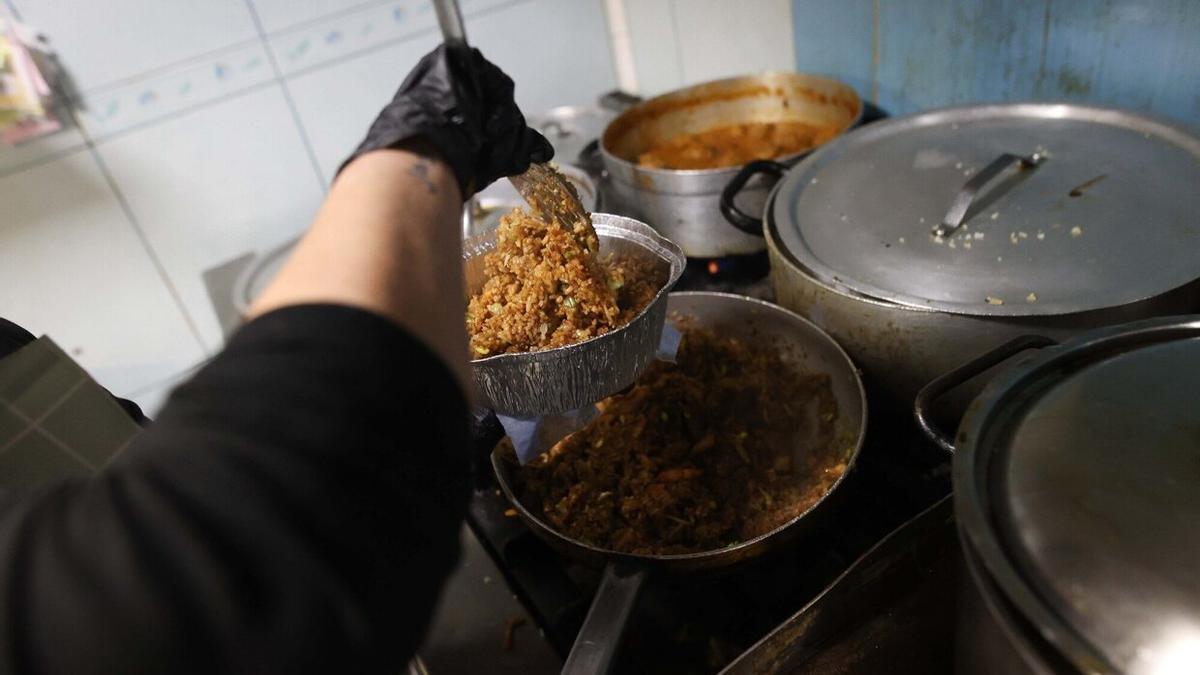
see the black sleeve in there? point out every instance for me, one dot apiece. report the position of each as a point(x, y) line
point(293, 510)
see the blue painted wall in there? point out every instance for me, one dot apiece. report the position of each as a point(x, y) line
point(909, 55)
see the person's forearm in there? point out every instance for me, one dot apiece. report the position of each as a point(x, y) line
point(386, 240)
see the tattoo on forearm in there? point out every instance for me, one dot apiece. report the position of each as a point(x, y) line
point(420, 170)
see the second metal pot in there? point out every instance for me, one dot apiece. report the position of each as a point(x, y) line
point(1074, 492)
point(684, 204)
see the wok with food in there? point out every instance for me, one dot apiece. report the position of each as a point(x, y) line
point(696, 456)
point(672, 511)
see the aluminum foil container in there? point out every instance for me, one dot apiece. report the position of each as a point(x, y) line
point(567, 378)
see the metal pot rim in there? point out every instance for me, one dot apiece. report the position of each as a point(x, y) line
point(852, 461)
point(986, 419)
point(794, 266)
point(724, 170)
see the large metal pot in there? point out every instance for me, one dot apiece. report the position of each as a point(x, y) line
point(1075, 490)
point(683, 205)
point(1054, 218)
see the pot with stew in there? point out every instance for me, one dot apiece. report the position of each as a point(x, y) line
point(669, 158)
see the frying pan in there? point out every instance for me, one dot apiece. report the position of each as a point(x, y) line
point(755, 322)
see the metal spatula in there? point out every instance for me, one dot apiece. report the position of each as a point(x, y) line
point(548, 192)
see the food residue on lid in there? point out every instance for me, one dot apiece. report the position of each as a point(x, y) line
point(1041, 235)
point(1032, 297)
point(1076, 231)
point(994, 301)
point(995, 215)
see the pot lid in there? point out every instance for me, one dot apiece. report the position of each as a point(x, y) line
point(1083, 495)
point(1087, 208)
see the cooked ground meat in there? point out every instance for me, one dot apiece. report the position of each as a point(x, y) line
point(546, 289)
point(697, 456)
point(734, 144)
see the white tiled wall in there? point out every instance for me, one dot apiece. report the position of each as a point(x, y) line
point(107, 41)
point(209, 129)
point(74, 269)
point(682, 42)
point(201, 202)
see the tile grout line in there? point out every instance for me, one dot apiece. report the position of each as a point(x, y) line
point(391, 42)
point(678, 42)
point(183, 112)
point(316, 21)
point(875, 56)
point(1041, 73)
point(134, 223)
point(36, 424)
point(287, 97)
point(88, 140)
point(44, 159)
point(195, 59)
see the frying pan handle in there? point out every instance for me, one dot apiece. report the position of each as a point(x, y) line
point(736, 217)
point(966, 196)
point(923, 405)
point(596, 645)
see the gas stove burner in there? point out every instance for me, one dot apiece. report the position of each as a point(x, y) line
point(742, 274)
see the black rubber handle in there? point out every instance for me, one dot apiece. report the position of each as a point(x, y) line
point(736, 217)
point(922, 406)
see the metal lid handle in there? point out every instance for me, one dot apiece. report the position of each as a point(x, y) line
point(966, 196)
point(743, 221)
point(923, 405)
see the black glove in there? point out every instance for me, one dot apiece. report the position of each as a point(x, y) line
point(486, 432)
point(463, 105)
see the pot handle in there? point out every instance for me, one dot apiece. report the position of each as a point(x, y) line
point(599, 638)
point(966, 196)
point(922, 407)
point(736, 217)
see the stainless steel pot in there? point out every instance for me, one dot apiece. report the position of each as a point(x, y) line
point(918, 241)
point(683, 205)
point(1075, 489)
